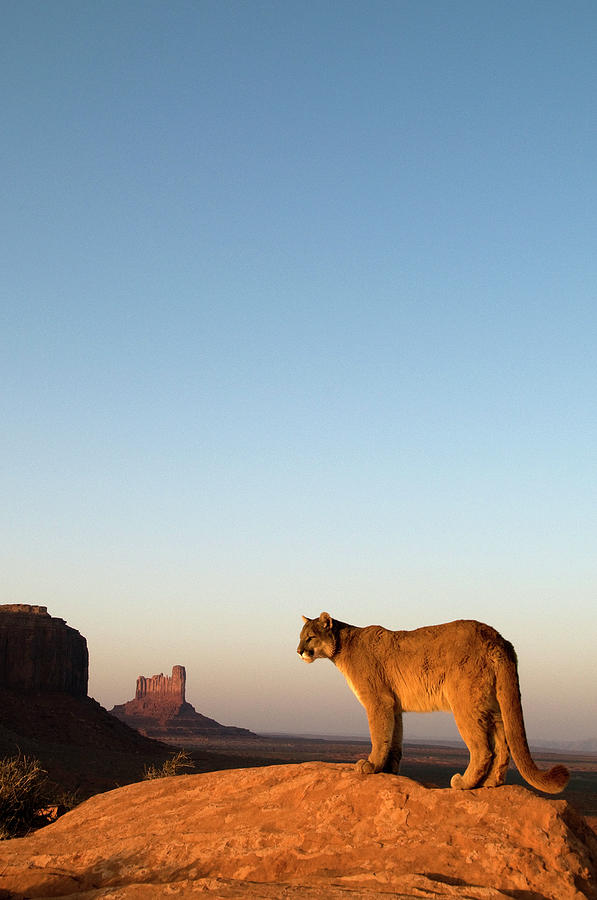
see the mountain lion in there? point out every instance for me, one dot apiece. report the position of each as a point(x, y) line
point(463, 666)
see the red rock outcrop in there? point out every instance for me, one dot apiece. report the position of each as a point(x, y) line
point(163, 687)
point(160, 710)
point(41, 653)
point(316, 830)
point(45, 711)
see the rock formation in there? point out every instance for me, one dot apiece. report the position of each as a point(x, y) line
point(163, 687)
point(45, 711)
point(160, 710)
point(41, 653)
point(307, 831)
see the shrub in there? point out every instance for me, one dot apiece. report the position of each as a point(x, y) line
point(172, 766)
point(23, 793)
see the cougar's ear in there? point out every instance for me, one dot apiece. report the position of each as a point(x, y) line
point(305, 619)
point(325, 620)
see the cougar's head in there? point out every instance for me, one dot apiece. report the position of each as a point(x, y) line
point(317, 639)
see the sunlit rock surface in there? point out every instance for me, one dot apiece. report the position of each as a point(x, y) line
point(313, 830)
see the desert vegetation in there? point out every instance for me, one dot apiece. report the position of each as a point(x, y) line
point(177, 763)
point(28, 799)
point(23, 793)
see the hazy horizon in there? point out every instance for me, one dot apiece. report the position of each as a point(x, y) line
point(299, 315)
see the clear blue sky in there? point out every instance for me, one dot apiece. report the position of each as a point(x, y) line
point(299, 313)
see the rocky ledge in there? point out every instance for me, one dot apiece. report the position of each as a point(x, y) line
point(310, 831)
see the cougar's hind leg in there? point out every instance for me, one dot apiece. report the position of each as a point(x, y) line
point(474, 732)
point(380, 713)
point(395, 755)
point(501, 754)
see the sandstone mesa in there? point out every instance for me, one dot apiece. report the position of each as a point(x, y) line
point(45, 711)
point(314, 830)
point(160, 710)
point(39, 652)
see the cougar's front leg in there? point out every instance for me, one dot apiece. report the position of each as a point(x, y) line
point(380, 714)
point(395, 755)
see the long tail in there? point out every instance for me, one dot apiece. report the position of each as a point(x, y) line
point(508, 693)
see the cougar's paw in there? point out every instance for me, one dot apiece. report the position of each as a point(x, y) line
point(492, 781)
point(364, 767)
point(457, 782)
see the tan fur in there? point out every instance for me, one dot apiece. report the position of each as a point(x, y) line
point(462, 666)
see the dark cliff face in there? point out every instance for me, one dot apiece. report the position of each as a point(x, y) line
point(41, 653)
point(45, 712)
